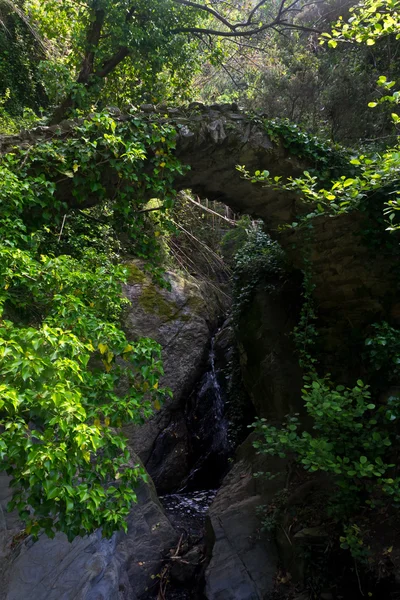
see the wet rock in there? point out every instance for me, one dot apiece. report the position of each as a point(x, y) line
point(187, 511)
point(90, 568)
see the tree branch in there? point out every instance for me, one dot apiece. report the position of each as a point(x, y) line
point(92, 41)
point(253, 12)
point(240, 29)
point(249, 33)
point(111, 63)
point(207, 9)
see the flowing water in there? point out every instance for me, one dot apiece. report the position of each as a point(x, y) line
point(209, 430)
point(188, 507)
point(187, 511)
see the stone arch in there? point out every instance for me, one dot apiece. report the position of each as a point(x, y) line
point(352, 285)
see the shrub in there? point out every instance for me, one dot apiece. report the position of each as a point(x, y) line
point(352, 439)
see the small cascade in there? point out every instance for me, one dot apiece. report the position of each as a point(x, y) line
point(219, 404)
point(187, 508)
point(208, 427)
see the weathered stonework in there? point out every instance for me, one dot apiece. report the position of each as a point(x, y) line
point(353, 286)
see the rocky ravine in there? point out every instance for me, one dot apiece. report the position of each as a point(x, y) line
point(182, 320)
point(121, 568)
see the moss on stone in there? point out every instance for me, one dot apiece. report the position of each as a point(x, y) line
point(135, 275)
point(153, 302)
point(197, 305)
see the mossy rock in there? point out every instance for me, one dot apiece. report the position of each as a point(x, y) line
point(197, 305)
point(135, 275)
point(153, 302)
point(232, 242)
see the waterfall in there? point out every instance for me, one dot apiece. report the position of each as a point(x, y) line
point(208, 428)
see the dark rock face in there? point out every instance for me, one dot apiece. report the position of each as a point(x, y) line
point(90, 568)
point(270, 369)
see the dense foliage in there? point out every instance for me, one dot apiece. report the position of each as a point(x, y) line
point(69, 376)
point(325, 88)
point(259, 263)
point(354, 433)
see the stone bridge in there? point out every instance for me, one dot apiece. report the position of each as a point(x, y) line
point(354, 287)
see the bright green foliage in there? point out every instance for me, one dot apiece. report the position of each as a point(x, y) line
point(124, 52)
point(327, 159)
point(21, 90)
point(366, 174)
point(352, 439)
point(316, 86)
point(370, 20)
point(58, 412)
point(69, 378)
point(117, 165)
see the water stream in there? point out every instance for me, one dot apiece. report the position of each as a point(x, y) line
point(187, 511)
point(187, 508)
point(205, 416)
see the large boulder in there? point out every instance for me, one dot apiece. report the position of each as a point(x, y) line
point(244, 560)
point(182, 319)
point(89, 568)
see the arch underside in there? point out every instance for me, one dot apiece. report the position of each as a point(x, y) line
point(352, 286)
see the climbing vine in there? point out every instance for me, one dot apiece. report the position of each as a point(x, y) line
point(353, 437)
point(327, 159)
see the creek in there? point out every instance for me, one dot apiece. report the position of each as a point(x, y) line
point(187, 508)
point(208, 427)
